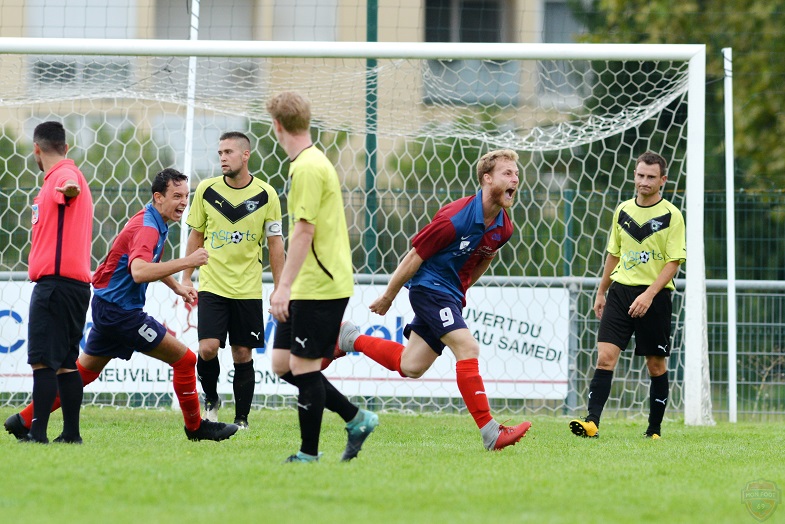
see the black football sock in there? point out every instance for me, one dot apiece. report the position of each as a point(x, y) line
point(337, 401)
point(208, 372)
point(244, 382)
point(71, 393)
point(288, 377)
point(658, 400)
point(310, 409)
point(44, 394)
point(334, 400)
point(599, 390)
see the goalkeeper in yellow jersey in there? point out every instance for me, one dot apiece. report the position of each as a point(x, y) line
point(646, 246)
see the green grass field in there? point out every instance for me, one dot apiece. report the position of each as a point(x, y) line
point(137, 466)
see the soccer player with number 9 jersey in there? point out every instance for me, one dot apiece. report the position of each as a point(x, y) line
point(447, 257)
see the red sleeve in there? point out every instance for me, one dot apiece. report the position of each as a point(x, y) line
point(434, 237)
point(143, 244)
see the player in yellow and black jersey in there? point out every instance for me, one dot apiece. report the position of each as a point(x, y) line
point(646, 246)
point(316, 283)
point(232, 216)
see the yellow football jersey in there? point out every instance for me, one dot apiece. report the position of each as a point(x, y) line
point(235, 223)
point(315, 196)
point(645, 239)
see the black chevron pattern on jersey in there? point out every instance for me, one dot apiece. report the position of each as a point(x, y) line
point(231, 212)
point(642, 232)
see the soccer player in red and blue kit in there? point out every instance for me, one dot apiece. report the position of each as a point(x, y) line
point(447, 257)
point(120, 325)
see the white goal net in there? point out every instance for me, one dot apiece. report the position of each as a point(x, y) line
point(404, 124)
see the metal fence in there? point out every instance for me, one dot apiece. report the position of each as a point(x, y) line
point(760, 351)
point(760, 268)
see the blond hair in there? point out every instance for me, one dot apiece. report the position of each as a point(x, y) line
point(292, 110)
point(488, 161)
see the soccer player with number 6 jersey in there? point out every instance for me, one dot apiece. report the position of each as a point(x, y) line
point(121, 326)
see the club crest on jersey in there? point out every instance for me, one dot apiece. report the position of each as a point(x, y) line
point(655, 225)
point(251, 205)
point(35, 213)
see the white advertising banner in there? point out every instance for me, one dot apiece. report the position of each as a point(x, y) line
point(523, 335)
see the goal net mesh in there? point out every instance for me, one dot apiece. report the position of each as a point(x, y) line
point(405, 135)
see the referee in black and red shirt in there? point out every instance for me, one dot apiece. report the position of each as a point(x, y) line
point(59, 264)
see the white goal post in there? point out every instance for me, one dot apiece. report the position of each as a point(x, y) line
point(461, 98)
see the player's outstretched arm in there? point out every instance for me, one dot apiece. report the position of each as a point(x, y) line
point(143, 271)
point(70, 189)
point(405, 271)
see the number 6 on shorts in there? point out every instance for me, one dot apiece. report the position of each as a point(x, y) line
point(147, 333)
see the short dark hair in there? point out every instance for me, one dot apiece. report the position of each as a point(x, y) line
point(162, 179)
point(236, 135)
point(50, 137)
point(651, 158)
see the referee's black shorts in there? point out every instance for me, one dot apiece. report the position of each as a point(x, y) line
point(58, 308)
point(652, 330)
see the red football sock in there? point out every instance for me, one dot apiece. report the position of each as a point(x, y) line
point(467, 374)
point(184, 382)
point(385, 352)
point(87, 377)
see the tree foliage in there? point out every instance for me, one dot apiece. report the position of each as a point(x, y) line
point(17, 187)
point(754, 31)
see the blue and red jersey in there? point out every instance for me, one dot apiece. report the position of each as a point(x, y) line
point(454, 243)
point(144, 236)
